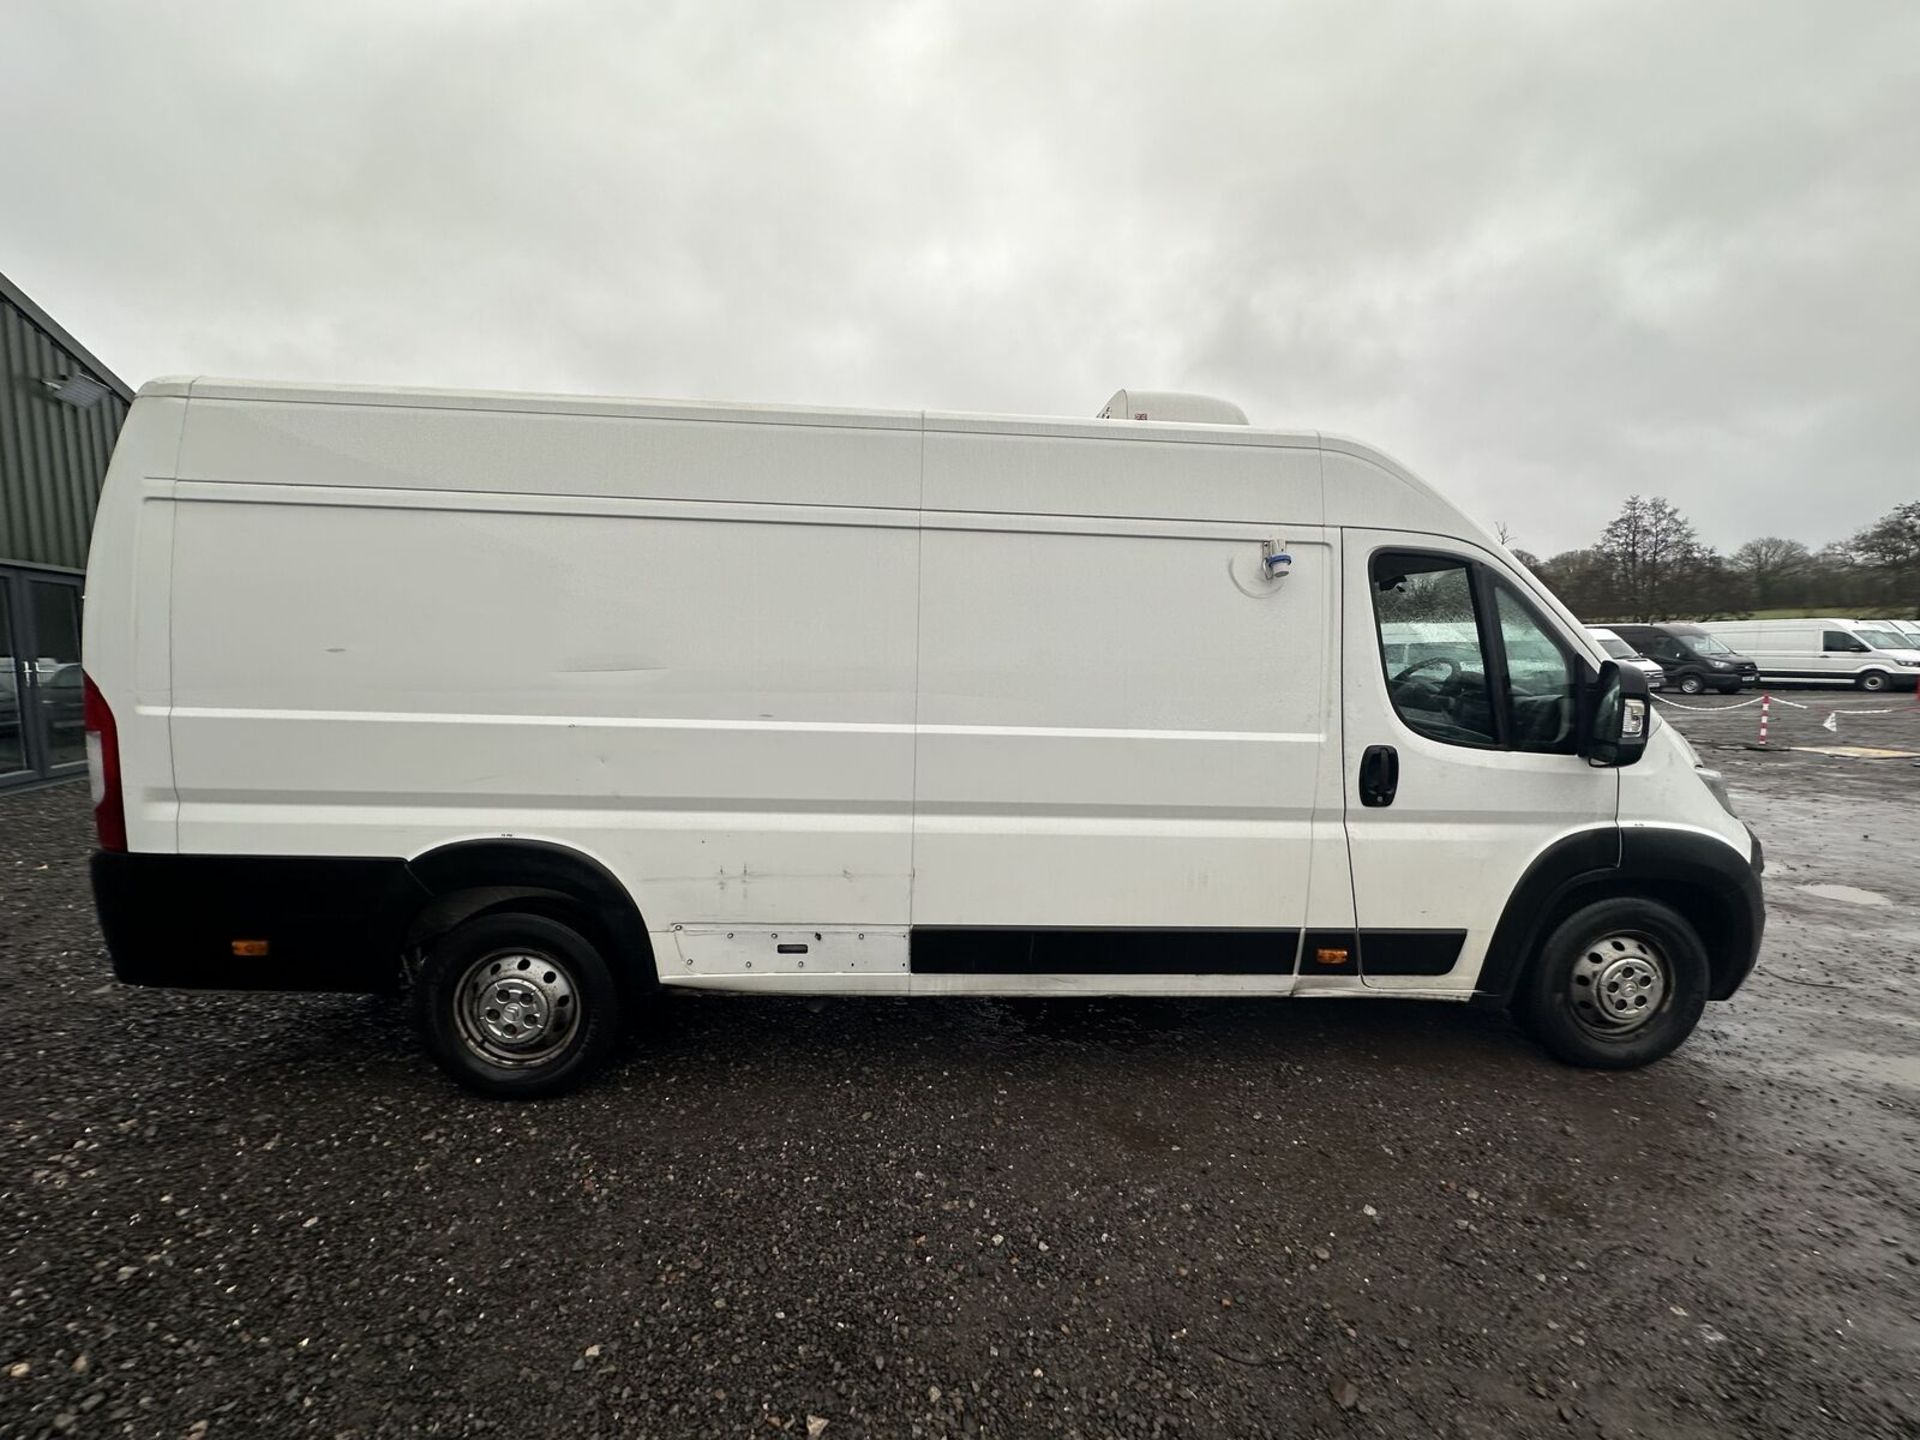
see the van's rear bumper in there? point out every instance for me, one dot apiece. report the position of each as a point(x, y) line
point(330, 924)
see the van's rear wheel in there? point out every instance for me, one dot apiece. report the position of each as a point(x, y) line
point(1873, 680)
point(1619, 983)
point(518, 1005)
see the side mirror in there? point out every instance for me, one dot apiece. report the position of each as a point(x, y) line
point(1619, 716)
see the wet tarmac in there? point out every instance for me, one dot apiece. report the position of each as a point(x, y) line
point(267, 1215)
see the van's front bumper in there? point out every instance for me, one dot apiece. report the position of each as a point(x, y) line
point(183, 920)
point(1739, 950)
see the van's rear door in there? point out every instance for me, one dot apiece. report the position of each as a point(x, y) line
point(1460, 763)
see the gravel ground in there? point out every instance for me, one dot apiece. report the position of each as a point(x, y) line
point(267, 1215)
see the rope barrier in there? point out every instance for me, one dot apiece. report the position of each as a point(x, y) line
point(1711, 709)
point(1743, 704)
point(1838, 710)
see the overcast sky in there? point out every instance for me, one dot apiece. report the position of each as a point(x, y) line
point(1546, 254)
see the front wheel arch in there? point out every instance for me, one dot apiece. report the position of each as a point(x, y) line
point(1703, 878)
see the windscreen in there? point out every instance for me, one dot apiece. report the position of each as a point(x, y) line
point(1883, 639)
point(1619, 649)
point(1705, 645)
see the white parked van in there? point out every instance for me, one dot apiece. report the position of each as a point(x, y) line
point(1620, 650)
point(1866, 653)
point(531, 705)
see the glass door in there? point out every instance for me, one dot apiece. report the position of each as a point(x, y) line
point(56, 689)
point(13, 730)
point(42, 714)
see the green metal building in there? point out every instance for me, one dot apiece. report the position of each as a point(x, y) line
point(60, 412)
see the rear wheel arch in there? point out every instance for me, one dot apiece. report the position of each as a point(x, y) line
point(471, 878)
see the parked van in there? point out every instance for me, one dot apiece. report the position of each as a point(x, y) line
point(1614, 646)
point(1692, 658)
point(1868, 653)
point(536, 706)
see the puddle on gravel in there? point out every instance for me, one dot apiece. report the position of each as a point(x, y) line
point(1900, 1070)
point(1852, 894)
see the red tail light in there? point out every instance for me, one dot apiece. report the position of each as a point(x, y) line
point(103, 768)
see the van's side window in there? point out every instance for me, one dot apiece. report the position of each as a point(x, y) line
point(1430, 647)
point(1542, 697)
point(1436, 616)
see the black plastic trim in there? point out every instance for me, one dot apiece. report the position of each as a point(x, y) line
point(480, 874)
point(968, 950)
point(1702, 875)
point(330, 923)
point(1691, 866)
point(1410, 952)
point(984, 950)
point(339, 923)
point(1562, 868)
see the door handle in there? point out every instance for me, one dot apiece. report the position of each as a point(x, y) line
point(1379, 775)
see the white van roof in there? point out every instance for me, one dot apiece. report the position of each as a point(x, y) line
point(1310, 477)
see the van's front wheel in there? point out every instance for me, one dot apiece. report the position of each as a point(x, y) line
point(1619, 983)
point(1691, 685)
point(1874, 681)
point(518, 1005)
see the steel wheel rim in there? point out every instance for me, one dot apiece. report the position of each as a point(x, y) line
point(517, 1007)
point(1874, 682)
point(1618, 985)
point(1691, 685)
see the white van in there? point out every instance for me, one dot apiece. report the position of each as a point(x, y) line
point(1866, 653)
point(1620, 650)
point(531, 705)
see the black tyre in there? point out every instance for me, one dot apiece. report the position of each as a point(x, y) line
point(1691, 685)
point(1619, 983)
point(518, 1006)
point(1874, 681)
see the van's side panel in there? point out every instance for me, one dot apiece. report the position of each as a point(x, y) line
point(1121, 724)
point(124, 638)
point(714, 701)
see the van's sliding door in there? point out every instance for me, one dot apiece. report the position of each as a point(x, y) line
point(1122, 731)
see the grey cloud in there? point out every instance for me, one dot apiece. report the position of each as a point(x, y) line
point(1547, 254)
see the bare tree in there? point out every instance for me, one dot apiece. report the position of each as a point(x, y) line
point(1891, 546)
point(1584, 581)
point(1655, 557)
point(1773, 568)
